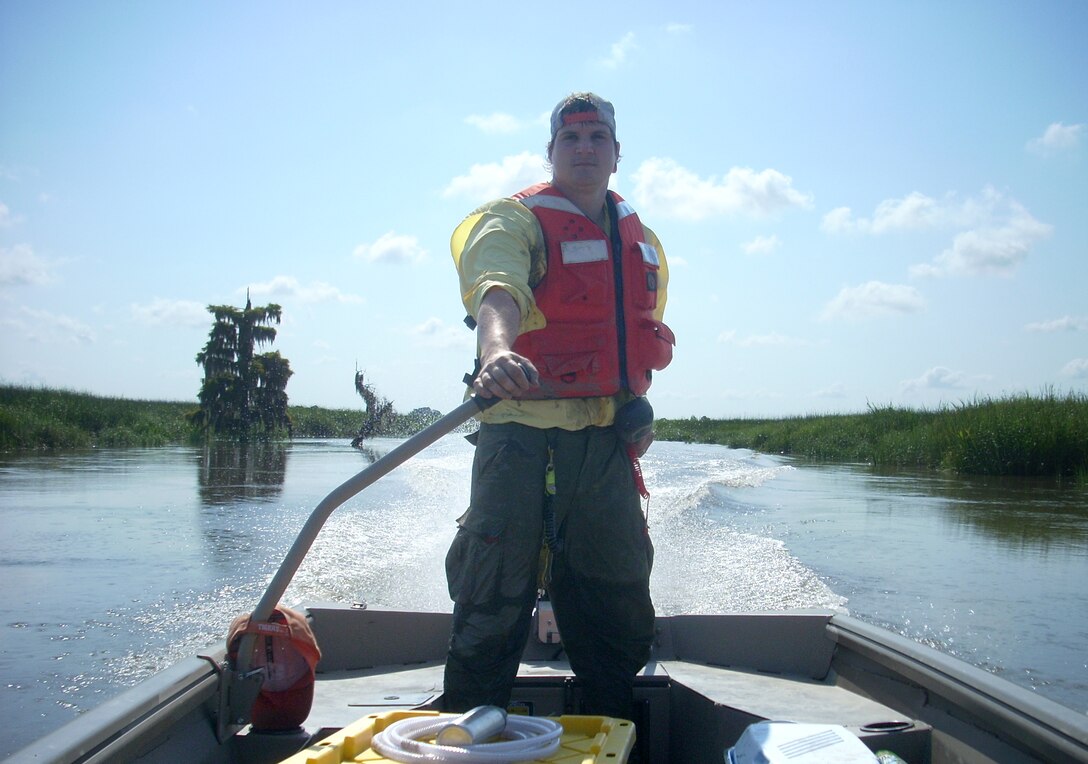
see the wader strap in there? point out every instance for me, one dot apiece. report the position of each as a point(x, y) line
point(640, 484)
point(551, 532)
point(553, 545)
point(636, 470)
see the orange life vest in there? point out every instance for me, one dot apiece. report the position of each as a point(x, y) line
point(601, 335)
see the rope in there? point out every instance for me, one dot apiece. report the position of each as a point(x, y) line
point(525, 738)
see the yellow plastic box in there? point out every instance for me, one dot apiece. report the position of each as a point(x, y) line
point(586, 739)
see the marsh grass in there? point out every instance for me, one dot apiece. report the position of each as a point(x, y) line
point(315, 422)
point(1045, 435)
point(39, 418)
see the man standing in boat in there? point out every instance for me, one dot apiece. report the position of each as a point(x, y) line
point(566, 289)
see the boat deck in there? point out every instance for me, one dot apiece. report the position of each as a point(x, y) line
point(342, 697)
point(716, 703)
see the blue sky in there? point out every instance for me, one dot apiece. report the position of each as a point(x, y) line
point(862, 203)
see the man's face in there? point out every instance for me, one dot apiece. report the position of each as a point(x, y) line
point(583, 154)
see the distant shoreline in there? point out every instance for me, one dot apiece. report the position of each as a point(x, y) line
point(43, 418)
point(1042, 435)
point(1019, 435)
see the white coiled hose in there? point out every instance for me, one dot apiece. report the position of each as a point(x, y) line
point(525, 738)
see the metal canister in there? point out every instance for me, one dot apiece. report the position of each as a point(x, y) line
point(476, 726)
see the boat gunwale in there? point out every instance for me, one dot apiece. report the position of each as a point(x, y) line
point(1046, 727)
point(919, 681)
point(118, 727)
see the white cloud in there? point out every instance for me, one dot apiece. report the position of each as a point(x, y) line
point(619, 51)
point(874, 298)
point(19, 266)
point(289, 286)
point(162, 312)
point(1057, 138)
point(991, 249)
point(1063, 324)
point(1077, 368)
point(665, 189)
point(937, 378)
point(436, 333)
point(839, 220)
point(678, 28)
point(916, 211)
point(392, 248)
point(994, 232)
point(495, 123)
point(763, 245)
point(46, 327)
point(6, 218)
point(491, 181)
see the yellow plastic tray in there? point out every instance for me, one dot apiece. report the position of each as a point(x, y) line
point(586, 739)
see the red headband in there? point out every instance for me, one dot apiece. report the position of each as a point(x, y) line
point(581, 116)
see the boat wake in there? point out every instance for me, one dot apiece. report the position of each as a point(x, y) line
point(386, 548)
point(703, 562)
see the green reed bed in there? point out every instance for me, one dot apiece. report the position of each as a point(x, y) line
point(315, 422)
point(1044, 435)
point(40, 418)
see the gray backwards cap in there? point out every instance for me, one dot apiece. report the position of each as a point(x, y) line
point(583, 107)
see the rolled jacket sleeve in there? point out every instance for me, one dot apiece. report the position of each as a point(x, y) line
point(500, 245)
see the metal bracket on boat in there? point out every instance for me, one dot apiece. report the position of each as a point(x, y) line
point(238, 691)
